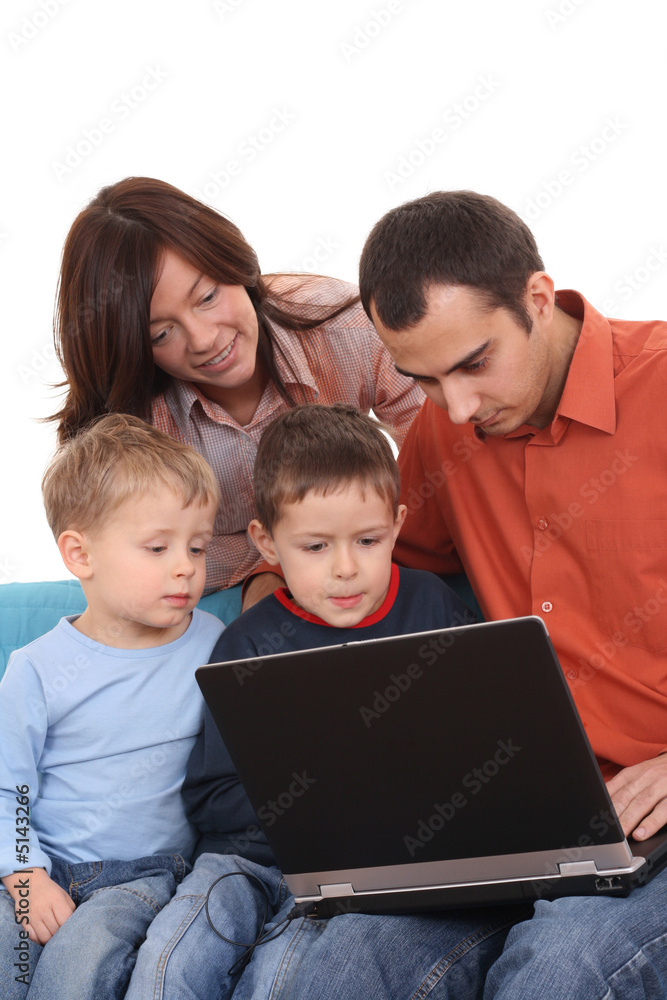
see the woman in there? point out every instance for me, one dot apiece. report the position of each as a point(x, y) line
point(163, 312)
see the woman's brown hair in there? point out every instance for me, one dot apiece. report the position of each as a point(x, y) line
point(110, 266)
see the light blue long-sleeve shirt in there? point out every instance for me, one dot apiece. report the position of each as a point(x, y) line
point(101, 737)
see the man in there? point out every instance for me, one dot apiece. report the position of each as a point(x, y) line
point(537, 463)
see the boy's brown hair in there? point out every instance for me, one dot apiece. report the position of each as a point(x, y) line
point(321, 448)
point(117, 457)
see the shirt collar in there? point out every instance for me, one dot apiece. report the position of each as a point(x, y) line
point(285, 598)
point(588, 396)
point(291, 360)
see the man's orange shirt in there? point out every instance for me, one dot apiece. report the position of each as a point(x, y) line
point(568, 523)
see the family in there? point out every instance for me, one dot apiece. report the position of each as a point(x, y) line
point(215, 432)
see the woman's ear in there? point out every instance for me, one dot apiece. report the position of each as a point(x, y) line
point(263, 542)
point(74, 549)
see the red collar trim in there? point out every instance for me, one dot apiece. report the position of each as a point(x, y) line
point(283, 595)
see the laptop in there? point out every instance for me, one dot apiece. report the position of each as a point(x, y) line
point(439, 769)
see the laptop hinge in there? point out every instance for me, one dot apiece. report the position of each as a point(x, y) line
point(337, 889)
point(578, 868)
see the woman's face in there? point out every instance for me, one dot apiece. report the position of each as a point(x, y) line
point(203, 331)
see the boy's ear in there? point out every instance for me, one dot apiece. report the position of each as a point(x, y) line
point(73, 546)
point(398, 523)
point(263, 542)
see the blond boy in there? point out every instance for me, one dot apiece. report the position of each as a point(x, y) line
point(98, 717)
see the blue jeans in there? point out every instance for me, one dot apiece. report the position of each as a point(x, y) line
point(92, 955)
point(578, 948)
point(182, 956)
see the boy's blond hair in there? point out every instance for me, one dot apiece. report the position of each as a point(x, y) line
point(115, 458)
point(321, 448)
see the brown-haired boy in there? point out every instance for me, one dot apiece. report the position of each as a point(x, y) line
point(326, 487)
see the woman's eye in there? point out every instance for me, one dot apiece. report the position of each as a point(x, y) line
point(160, 337)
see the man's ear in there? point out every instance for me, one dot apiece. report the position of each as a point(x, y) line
point(263, 542)
point(541, 296)
point(73, 546)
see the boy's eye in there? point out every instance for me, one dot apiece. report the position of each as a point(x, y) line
point(315, 547)
point(197, 550)
point(367, 542)
point(157, 548)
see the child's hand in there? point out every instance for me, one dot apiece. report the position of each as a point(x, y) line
point(48, 906)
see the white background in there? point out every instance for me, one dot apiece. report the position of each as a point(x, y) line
point(354, 107)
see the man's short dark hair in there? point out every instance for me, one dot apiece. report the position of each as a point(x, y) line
point(321, 448)
point(447, 238)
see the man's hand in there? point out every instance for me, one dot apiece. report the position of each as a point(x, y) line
point(639, 794)
point(48, 906)
point(259, 587)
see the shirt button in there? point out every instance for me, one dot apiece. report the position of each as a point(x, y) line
point(542, 524)
point(547, 606)
point(572, 674)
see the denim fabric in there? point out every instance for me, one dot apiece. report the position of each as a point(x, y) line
point(588, 948)
point(92, 955)
point(182, 956)
point(353, 956)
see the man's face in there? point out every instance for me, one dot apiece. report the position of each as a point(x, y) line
point(480, 365)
